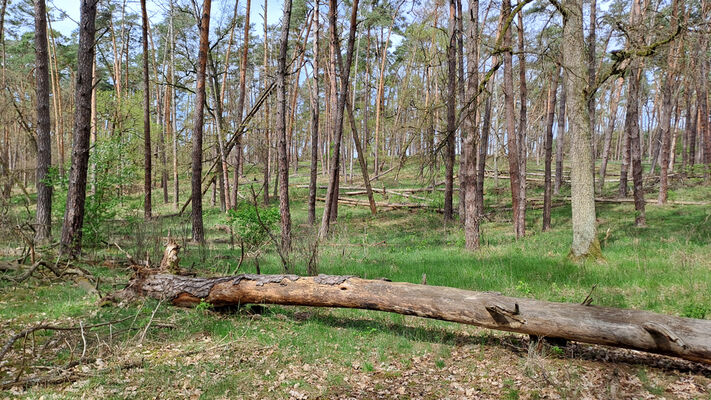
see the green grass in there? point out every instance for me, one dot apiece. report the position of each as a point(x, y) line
point(663, 267)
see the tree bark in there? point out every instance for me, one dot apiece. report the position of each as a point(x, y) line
point(547, 189)
point(44, 141)
point(511, 133)
point(520, 223)
point(582, 191)
point(451, 116)
point(315, 113)
point(560, 137)
point(240, 104)
point(634, 329)
point(196, 179)
point(283, 175)
point(614, 101)
point(669, 80)
point(147, 170)
point(469, 154)
point(76, 194)
point(332, 191)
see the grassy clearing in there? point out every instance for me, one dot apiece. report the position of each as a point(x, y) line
point(281, 352)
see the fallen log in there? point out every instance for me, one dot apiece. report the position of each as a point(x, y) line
point(634, 329)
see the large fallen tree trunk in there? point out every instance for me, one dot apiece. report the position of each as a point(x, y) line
point(640, 330)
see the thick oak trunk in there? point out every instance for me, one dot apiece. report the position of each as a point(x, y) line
point(634, 329)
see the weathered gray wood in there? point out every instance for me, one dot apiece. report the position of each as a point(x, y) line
point(634, 329)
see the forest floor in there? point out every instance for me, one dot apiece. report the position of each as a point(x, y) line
point(154, 350)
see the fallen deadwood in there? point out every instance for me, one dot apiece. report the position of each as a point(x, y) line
point(394, 206)
point(634, 329)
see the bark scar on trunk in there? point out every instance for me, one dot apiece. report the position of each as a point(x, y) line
point(500, 312)
point(264, 279)
point(331, 279)
point(658, 331)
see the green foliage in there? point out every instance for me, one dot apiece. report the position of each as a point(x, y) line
point(697, 311)
point(245, 221)
point(106, 175)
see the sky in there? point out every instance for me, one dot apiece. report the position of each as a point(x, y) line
point(155, 12)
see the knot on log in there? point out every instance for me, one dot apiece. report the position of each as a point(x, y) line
point(657, 330)
point(500, 312)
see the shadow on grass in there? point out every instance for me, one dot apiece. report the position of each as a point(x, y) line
point(516, 343)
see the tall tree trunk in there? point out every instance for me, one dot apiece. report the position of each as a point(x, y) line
point(510, 123)
point(520, 224)
point(283, 161)
point(560, 136)
point(267, 115)
point(591, 44)
point(469, 170)
point(632, 124)
point(669, 80)
point(76, 194)
point(147, 170)
point(44, 142)
point(240, 103)
point(171, 76)
point(379, 96)
point(451, 115)
point(550, 117)
point(332, 191)
point(582, 191)
point(196, 179)
point(464, 115)
point(315, 112)
point(614, 101)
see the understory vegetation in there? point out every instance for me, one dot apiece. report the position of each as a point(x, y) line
point(153, 349)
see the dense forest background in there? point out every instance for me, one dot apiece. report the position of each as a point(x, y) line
point(550, 149)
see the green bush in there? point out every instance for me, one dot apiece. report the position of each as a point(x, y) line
point(246, 224)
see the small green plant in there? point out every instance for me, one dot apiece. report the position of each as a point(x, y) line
point(439, 364)
point(523, 287)
point(203, 306)
point(252, 224)
point(695, 311)
point(557, 351)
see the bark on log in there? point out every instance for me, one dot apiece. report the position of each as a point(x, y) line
point(634, 329)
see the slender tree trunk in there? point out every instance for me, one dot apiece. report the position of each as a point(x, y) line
point(520, 224)
point(76, 194)
point(511, 133)
point(315, 111)
point(240, 103)
point(379, 97)
point(614, 100)
point(591, 45)
point(332, 191)
point(267, 115)
point(171, 76)
point(560, 137)
point(632, 126)
point(469, 170)
point(44, 141)
point(147, 170)
point(669, 80)
point(451, 115)
point(582, 190)
point(283, 175)
point(550, 117)
point(196, 179)
point(463, 131)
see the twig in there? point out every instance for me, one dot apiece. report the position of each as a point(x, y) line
point(148, 325)
point(47, 327)
point(83, 339)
